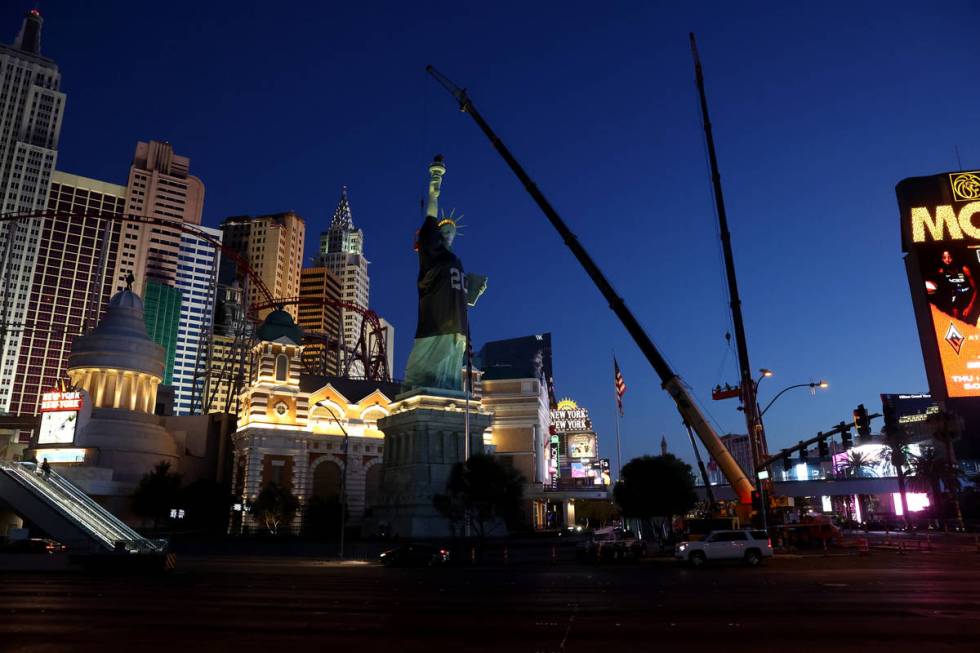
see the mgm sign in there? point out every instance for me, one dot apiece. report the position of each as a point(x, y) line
point(940, 218)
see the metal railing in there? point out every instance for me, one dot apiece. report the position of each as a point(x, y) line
point(79, 508)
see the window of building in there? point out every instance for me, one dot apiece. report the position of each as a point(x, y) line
point(282, 367)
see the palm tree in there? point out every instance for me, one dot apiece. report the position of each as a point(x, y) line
point(857, 465)
point(931, 472)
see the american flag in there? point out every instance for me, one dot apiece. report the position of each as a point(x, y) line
point(620, 386)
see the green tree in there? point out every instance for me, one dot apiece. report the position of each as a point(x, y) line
point(656, 487)
point(157, 494)
point(274, 507)
point(482, 492)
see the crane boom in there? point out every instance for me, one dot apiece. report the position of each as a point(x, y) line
point(671, 382)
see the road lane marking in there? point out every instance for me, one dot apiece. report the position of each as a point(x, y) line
point(571, 620)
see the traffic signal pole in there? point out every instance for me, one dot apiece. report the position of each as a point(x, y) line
point(841, 427)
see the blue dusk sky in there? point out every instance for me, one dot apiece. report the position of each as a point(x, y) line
point(818, 110)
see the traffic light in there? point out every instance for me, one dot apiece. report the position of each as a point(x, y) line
point(890, 414)
point(845, 440)
point(787, 461)
point(861, 422)
point(803, 453)
point(822, 448)
point(756, 501)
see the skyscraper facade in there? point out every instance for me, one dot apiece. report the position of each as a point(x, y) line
point(318, 285)
point(72, 282)
point(273, 247)
point(31, 110)
point(197, 271)
point(162, 317)
point(342, 252)
point(160, 186)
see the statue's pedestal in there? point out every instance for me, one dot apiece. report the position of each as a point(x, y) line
point(424, 438)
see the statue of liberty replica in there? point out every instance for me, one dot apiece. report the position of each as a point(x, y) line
point(445, 292)
point(426, 433)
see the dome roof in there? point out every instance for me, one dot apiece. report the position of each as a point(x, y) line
point(279, 324)
point(120, 340)
point(126, 299)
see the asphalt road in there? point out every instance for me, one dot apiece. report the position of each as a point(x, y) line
point(883, 602)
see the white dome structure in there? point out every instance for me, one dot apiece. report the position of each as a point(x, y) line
point(117, 363)
point(120, 368)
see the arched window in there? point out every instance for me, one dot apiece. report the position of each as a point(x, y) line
point(326, 480)
point(282, 367)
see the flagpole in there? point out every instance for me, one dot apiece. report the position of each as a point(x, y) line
point(468, 387)
point(619, 414)
point(619, 446)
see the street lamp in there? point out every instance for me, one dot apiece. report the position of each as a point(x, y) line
point(765, 373)
point(343, 475)
point(813, 385)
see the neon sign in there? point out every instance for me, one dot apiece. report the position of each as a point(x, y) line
point(57, 401)
point(568, 417)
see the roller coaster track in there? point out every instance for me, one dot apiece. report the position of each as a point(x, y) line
point(370, 350)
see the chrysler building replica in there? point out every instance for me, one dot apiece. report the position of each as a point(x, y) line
point(342, 252)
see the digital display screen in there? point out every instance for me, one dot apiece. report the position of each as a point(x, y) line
point(949, 281)
point(580, 445)
point(580, 470)
point(941, 235)
point(58, 428)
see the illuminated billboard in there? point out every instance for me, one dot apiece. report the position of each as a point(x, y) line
point(58, 427)
point(63, 413)
point(580, 445)
point(55, 401)
point(569, 417)
point(940, 218)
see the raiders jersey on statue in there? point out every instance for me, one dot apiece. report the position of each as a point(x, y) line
point(442, 285)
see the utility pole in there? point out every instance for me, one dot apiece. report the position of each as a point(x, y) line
point(749, 400)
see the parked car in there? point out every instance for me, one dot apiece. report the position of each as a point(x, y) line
point(33, 545)
point(749, 546)
point(611, 544)
point(415, 555)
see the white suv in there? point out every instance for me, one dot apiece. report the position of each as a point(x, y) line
point(750, 546)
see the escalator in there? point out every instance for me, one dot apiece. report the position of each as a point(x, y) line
point(67, 514)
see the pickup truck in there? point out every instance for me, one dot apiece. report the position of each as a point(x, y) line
point(611, 544)
point(749, 546)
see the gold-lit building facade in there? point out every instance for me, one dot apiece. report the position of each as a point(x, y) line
point(291, 428)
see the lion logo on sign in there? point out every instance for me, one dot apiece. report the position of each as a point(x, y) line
point(965, 185)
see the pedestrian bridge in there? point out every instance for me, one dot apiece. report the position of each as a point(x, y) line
point(826, 487)
point(65, 513)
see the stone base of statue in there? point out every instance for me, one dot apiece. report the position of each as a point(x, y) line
point(424, 438)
